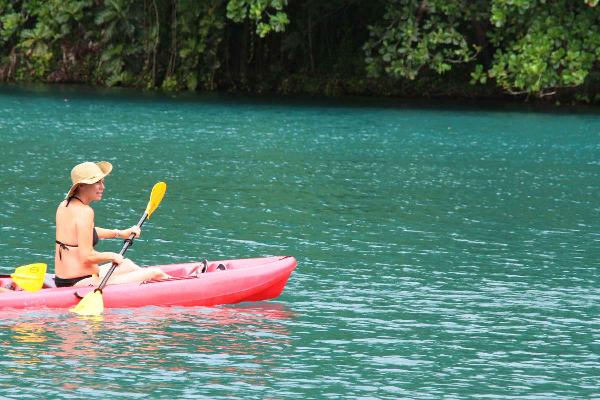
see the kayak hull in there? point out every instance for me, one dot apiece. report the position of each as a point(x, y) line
point(252, 279)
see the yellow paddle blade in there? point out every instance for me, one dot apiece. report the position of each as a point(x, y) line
point(158, 192)
point(91, 304)
point(30, 277)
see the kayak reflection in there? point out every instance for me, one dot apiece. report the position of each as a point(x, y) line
point(241, 341)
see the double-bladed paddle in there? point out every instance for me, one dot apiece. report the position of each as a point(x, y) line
point(93, 303)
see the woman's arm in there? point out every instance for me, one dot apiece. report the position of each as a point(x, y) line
point(90, 257)
point(108, 233)
point(117, 233)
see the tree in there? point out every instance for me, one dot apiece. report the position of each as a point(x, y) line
point(542, 47)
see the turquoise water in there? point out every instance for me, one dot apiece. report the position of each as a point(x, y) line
point(443, 252)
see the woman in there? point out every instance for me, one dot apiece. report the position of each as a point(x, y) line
point(76, 261)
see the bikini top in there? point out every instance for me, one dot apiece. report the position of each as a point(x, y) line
point(64, 246)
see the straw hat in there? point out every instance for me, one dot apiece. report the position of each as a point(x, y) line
point(88, 172)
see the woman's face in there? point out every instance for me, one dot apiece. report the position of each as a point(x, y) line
point(92, 191)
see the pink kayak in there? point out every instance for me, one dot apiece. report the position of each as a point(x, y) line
point(223, 282)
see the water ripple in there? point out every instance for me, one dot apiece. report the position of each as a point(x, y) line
point(442, 253)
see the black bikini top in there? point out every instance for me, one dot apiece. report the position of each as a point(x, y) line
point(64, 246)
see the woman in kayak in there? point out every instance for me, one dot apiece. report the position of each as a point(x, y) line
point(76, 261)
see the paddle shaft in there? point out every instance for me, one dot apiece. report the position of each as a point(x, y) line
point(126, 246)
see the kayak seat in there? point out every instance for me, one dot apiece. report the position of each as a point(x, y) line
point(196, 270)
point(199, 268)
point(49, 282)
point(216, 267)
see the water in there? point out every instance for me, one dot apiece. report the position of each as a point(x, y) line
point(443, 252)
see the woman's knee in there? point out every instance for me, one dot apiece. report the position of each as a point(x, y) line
point(155, 273)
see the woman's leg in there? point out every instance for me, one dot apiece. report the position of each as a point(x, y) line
point(138, 276)
point(126, 266)
point(127, 272)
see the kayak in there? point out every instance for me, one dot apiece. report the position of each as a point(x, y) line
point(192, 284)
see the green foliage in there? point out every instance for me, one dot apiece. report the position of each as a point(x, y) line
point(56, 22)
point(117, 40)
point(383, 47)
point(268, 15)
point(538, 46)
point(199, 32)
point(170, 84)
point(10, 22)
point(549, 46)
point(418, 34)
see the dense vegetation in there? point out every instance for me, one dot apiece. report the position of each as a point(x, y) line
point(531, 48)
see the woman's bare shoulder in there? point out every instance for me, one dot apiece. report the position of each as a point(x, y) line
point(85, 211)
point(75, 211)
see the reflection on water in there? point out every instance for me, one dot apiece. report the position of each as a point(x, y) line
point(149, 345)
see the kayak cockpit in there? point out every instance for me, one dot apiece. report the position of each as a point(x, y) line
point(179, 271)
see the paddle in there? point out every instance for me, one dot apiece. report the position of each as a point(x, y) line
point(93, 303)
point(30, 277)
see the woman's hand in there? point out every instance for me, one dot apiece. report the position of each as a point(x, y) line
point(117, 258)
point(127, 232)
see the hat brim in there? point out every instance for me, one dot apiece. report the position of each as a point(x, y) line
point(104, 166)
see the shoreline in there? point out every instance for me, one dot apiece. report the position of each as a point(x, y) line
point(487, 103)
